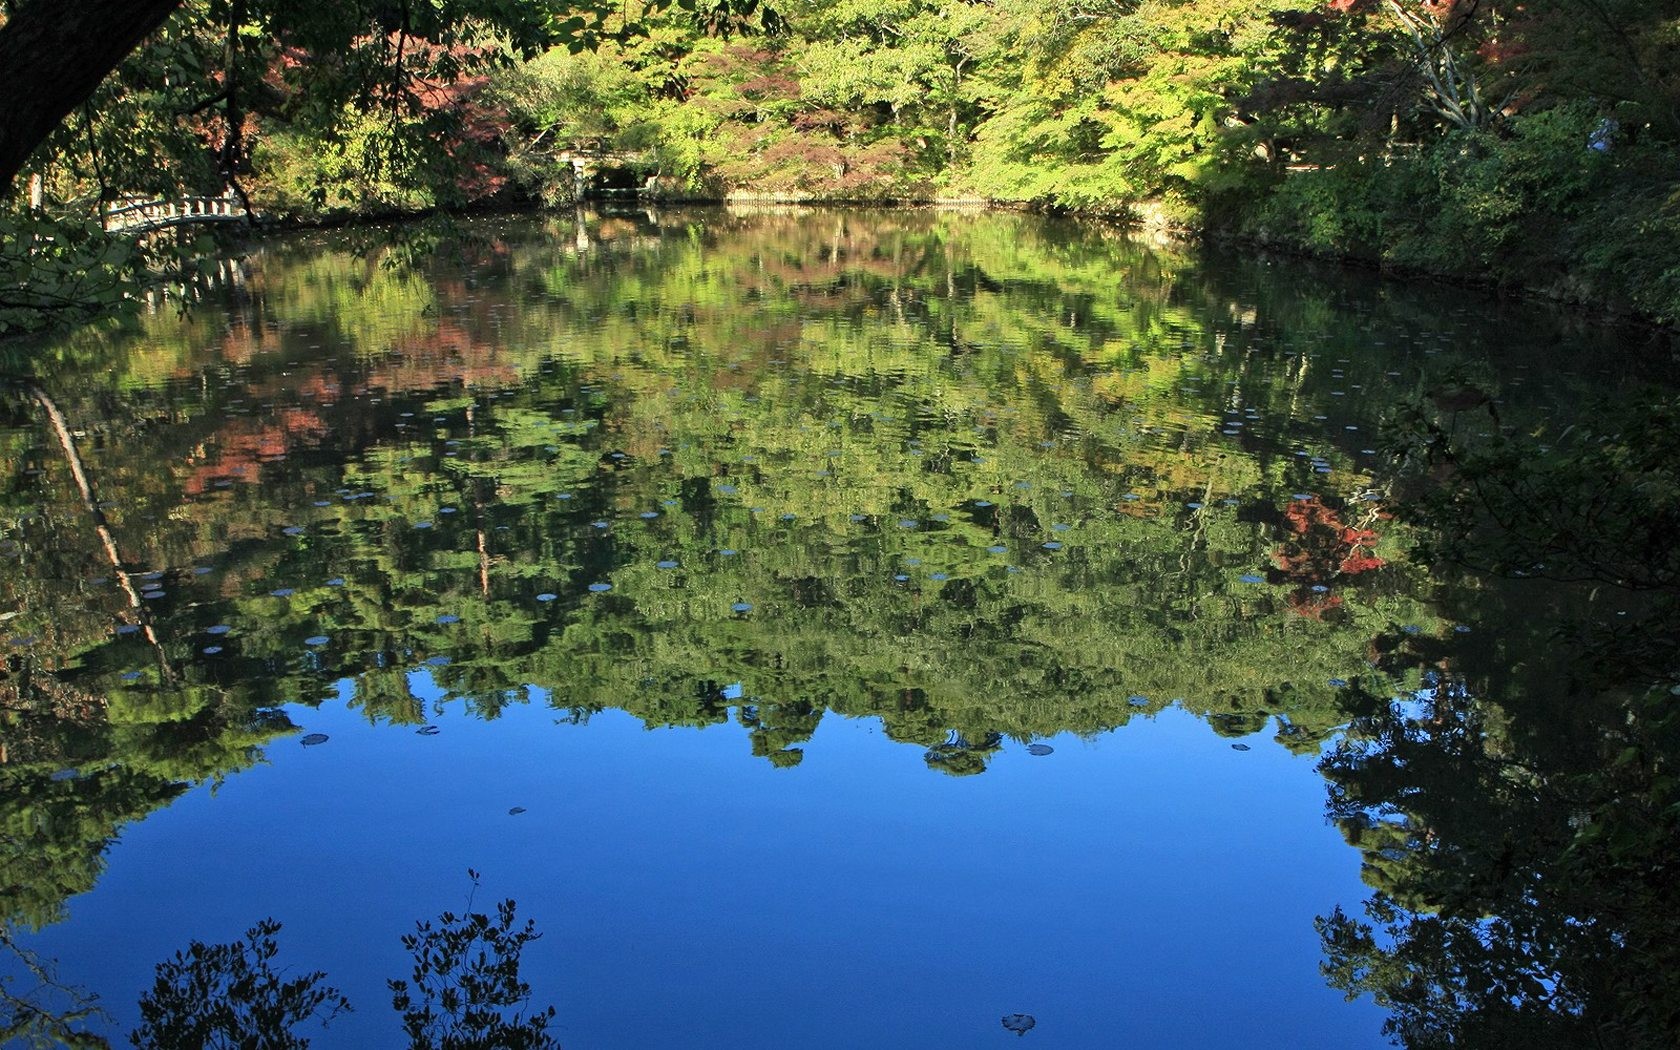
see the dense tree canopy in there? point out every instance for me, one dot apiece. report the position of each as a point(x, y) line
point(1523, 143)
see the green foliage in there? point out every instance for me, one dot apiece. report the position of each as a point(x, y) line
point(1442, 138)
point(1596, 500)
point(56, 275)
point(1528, 206)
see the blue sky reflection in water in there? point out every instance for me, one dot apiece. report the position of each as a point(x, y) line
point(931, 488)
point(1148, 886)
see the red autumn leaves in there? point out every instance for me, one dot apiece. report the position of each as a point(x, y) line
point(1318, 551)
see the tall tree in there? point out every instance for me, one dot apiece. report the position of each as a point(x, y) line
point(53, 54)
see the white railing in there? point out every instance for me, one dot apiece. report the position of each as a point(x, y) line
point(138, 216)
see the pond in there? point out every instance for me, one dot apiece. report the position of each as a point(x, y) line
point(830, 628)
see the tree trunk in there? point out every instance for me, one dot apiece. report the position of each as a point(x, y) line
point(53, 54)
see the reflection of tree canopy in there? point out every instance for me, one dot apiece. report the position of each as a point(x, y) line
point(1524, 875)
point(1519, 817)
point(962, 474)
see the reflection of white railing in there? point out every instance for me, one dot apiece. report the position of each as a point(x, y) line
point(142, 216)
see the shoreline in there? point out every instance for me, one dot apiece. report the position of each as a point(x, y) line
point(1142, 219)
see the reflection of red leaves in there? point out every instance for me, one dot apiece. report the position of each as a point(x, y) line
point(1321, 550)
point(242, 445)
point(1359, 562)
point(1313, 605)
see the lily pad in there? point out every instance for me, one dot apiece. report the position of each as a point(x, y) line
point(1039, 749)
point(1241, 747)
point(428, 730)
point(311, 739)
point(1020, 1024)
point(515, 811)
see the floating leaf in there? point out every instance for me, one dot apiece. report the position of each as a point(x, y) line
point(1039, 749)
point(1020, 1024)
point(311, 739)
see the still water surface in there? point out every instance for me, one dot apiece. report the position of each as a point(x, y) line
point(701, 580)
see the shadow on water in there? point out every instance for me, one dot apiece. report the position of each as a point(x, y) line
point(1524, 852)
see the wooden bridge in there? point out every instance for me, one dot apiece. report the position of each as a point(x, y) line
point(137, 217)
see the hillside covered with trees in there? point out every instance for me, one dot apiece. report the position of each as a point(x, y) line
point(1520, 144)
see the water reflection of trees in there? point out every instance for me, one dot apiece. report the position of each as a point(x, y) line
point(464, 991)
point(1523, 836)
point(379, 459)
point(400, 452)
